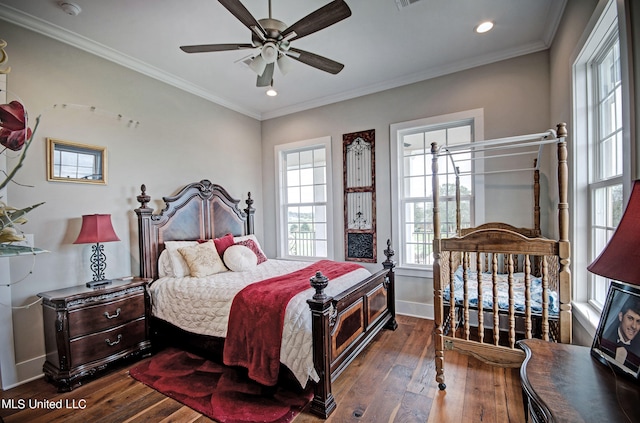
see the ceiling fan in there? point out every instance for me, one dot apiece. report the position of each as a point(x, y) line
point(273, 39)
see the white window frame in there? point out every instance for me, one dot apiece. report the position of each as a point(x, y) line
point(281, 224)
point(397, 130)
point(604, 23)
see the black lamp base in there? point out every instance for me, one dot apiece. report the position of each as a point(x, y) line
point(97, 284)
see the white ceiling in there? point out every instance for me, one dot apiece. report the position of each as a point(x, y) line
point(381, 45)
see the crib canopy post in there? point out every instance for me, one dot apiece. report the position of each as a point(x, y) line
point(438, 331)
point(563, 240)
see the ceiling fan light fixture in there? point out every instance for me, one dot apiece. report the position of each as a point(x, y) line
point(484, 27)
point(269, 52)
point(258, 65)
point(271, 92)
point(284, 64)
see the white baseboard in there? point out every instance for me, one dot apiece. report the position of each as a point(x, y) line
point(28, 370)
point(408, 308)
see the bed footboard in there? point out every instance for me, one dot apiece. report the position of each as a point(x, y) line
point(344, 325)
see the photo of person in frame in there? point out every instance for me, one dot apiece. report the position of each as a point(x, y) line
point(620, 339)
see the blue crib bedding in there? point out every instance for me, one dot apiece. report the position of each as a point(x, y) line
point(503, 292)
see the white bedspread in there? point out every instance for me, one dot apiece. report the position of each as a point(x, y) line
point(201, 305)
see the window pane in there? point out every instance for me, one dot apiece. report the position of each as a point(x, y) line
point(293, 177)
point(460, 135)
point(306, 176)
point(319, 175)
point(306, 194)
point(415, 165)
point(293, 160)
point(293, 195)
point(306, 158)
point(320, 193)
point(319, 157)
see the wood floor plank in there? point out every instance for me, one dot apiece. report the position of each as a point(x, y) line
point(447, 404)
point(392, 381)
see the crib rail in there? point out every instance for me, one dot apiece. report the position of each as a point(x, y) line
point(496, 268)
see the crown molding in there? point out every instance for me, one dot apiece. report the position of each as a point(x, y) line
point(73, 39)
point(408, 79)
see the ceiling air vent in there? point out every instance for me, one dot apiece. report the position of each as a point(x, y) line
point(405, 3)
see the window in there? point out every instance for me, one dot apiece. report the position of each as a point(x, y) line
point(304, 197)
point(605, 185)
point(412, 196)
point(71, 162)
point(601, 133)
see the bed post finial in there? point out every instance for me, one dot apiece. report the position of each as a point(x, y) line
point(561, 130)
point(143, 198)
point(319, 282)
point(250, 211)
point(389, 252)
point(389, 284)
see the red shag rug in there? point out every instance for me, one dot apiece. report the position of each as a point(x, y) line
point(222, 393)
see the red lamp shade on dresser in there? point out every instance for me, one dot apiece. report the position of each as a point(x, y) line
point(97, 228)
point(620, 259)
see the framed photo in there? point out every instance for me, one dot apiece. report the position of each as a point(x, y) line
point(617, 340)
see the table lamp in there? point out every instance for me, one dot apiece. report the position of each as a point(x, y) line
point(97, 228)
point(621, 257)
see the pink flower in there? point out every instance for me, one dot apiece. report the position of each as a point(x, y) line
point(13, 121)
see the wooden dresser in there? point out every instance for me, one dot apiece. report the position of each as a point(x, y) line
point(563, 383)
point(86, 329)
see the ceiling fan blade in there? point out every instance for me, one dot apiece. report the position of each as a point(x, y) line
point(243, 15)
point(205, 48)
point(316, 61)
point(326, 16)
point(265, 79)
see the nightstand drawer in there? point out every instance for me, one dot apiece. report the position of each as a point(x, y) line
point(100, 317)
point(106, 343)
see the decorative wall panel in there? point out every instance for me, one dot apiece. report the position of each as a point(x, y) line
point(358, 153)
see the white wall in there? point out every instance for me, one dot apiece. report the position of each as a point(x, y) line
point(515, 97)
point(181, 138)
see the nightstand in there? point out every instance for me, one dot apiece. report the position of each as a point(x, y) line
point(563, 383)
point(87, 330)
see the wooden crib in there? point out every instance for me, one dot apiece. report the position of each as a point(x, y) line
point(496, 283)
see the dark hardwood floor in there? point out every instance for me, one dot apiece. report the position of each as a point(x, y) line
point(392, 381)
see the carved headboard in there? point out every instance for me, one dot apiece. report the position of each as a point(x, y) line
point(201, 210)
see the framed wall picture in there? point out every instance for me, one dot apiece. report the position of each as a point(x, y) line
point(358, 149)
point(617, 340)
point(73, 162)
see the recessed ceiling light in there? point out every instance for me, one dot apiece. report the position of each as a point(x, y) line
point(70, 8)
point(271, 92)
point(484, 27)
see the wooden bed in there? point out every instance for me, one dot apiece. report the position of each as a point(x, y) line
point(342, 325)
point(503, 256)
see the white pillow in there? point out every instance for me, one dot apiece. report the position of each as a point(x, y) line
point(164, 264)
point(239, 258)
point(203, 259)
point(179, 266)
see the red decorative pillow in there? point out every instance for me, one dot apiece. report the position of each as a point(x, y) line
point(223, 243)
point(249, 243)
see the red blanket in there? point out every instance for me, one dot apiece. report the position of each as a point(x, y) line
point(256, 319)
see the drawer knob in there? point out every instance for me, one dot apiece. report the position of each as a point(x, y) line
point(112, 316)
point(111, 344)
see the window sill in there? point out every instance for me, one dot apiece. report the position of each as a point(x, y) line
point(587, 316)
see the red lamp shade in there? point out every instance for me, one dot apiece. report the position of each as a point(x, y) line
point(620, 259)
point(96, 228)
